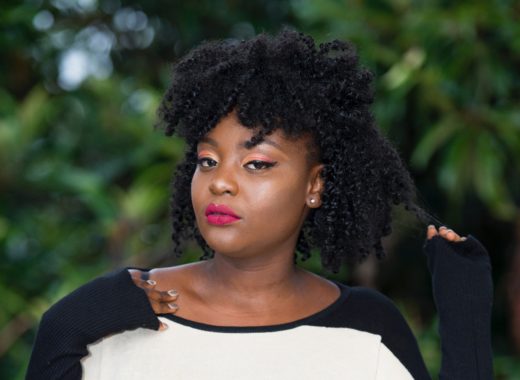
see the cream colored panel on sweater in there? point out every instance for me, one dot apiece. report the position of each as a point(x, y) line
point(182, 352)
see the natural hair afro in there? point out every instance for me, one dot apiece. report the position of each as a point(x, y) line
point(286, 82)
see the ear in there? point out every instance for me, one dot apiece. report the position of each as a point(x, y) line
point(315, 186)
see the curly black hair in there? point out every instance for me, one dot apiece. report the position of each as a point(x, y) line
point(286, 82)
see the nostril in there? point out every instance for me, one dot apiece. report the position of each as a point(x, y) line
point(221, 187)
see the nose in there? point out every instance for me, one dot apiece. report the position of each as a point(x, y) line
point(223, 182)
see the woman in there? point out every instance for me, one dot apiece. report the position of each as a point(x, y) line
point(282, 157)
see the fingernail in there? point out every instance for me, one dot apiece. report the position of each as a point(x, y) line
point(172, 292)
point(173, 306)
point(442, 227)
point(431, 226)
point(463, 238)
point(164, 326)
point(151, 282)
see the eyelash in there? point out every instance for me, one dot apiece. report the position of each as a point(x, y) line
point(206, 163)
point(265, 164)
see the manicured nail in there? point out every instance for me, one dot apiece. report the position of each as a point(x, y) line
point(172, 292)
point(442, 227)
point(164, 326)
point(173, 306)
point(463, 238)
point(151, 282)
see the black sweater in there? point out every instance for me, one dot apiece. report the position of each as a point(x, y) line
point(112, 306)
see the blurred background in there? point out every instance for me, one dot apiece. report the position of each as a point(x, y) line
point(85, 178)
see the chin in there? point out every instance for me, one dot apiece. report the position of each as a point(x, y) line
point(224, 241)
point(225, 249)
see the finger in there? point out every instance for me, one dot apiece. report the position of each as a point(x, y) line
point(141, 280)
point(162, 326)
point(164, 308)
point(457, 237)
point(136, 275)
point(162, 296)
point(146, 285)
point(452, 235)
point(431, 231)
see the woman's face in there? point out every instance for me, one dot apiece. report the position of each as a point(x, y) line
point(252, 201)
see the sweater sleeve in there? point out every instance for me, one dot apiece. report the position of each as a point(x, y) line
point(106, 305)
point(463, 294)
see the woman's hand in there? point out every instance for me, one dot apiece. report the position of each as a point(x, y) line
point(162, 302)
point(446, 233)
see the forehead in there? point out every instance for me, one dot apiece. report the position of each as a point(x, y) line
point(230, 132)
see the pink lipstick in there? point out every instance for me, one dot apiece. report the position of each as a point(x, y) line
point(220, 215)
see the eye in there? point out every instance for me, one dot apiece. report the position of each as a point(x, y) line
point(206, 162)
point(259, 165)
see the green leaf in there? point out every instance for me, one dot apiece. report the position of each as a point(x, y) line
point(434, 139)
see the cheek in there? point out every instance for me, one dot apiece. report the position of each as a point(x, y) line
point(277, 201)
point(197, 185)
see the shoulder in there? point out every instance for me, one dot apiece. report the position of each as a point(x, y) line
point(368, 300)
point(375, 312)
point(368, 310)
point(186, 279)
point(118, 279)
point(371, 311)
point(101, 291)
point(107, 304)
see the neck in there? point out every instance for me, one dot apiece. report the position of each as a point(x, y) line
point(253, 276)
point(249, 289)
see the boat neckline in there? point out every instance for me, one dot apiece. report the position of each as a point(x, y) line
point(308, 320)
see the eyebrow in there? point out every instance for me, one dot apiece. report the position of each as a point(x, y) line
point(210, 141)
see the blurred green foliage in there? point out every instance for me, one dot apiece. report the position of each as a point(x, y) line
point(84, 177)
point(448, 74)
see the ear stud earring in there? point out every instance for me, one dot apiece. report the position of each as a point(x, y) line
point(312, 201)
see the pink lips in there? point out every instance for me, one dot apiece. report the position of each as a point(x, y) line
point(220, 214)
